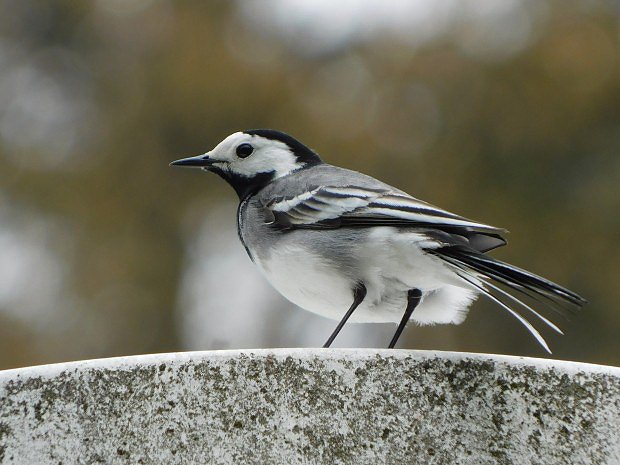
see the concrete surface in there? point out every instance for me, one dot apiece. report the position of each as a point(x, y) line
point(304, 406)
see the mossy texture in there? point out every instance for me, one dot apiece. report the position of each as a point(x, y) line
point(306, 406)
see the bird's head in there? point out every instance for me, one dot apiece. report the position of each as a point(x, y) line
point(251, 159)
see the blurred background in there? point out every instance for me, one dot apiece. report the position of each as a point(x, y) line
point(506, 112)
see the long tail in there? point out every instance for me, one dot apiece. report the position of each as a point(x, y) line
point(482, 271)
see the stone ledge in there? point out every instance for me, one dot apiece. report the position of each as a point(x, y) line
point(299, 406)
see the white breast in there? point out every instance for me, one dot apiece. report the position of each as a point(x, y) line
point(389, 264)
point(308, 280)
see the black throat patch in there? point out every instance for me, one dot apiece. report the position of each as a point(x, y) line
point(244, 186)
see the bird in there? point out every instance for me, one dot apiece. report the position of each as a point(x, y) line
point(351, 248)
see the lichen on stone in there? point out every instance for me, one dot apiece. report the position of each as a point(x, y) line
point(311, 406)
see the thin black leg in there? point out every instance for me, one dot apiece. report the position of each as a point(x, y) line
point(413, 299)
point(359, 292)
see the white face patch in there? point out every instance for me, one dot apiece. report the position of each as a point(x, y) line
point(268, 155)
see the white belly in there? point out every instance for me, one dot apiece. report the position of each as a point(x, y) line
point(387, 269)
point(317, 285)
point(308, 281)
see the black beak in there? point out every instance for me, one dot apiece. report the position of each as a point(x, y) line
point(200, 161)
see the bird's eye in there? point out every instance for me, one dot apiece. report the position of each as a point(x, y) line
point(244, 150)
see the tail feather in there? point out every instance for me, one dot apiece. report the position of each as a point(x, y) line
point(549, 323)
point(479, 270)
point(519, 317)
point(526, 289)
point(514, 277)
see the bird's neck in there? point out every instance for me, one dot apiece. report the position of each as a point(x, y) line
point(245, 187)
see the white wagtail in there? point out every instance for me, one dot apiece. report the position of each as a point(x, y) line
point(331, 239)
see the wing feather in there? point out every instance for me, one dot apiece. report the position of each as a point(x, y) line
point(353, 206)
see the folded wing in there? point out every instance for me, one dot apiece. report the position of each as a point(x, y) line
point(328, 207)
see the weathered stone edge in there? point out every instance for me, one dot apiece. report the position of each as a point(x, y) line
point(120, 363)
